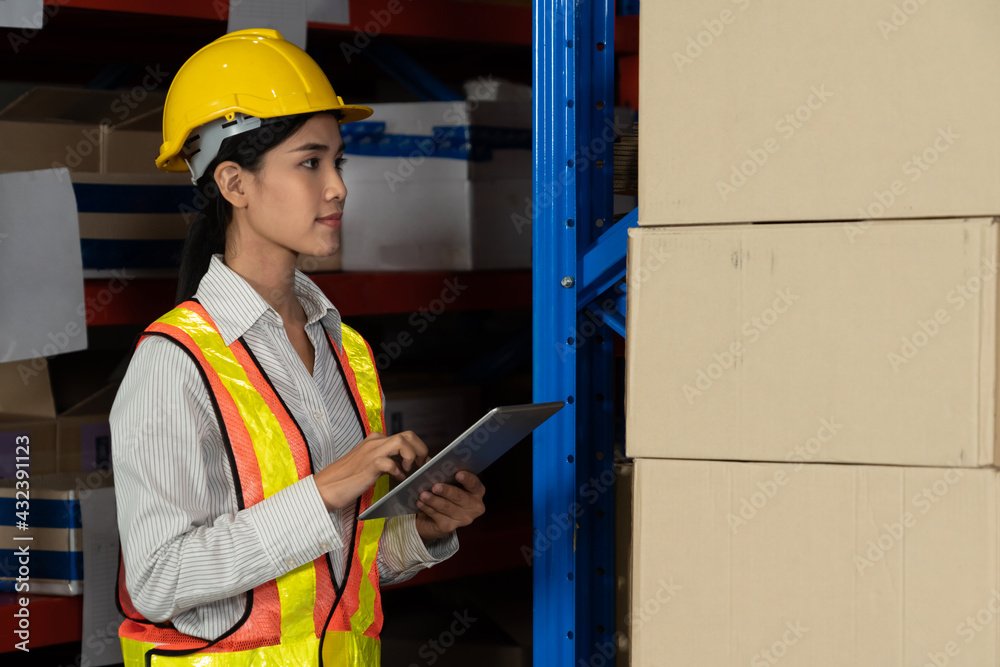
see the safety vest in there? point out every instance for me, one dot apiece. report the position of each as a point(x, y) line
point(300, 618)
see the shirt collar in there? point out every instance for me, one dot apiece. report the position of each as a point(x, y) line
point(236, 306)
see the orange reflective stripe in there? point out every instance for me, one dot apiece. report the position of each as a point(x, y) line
point(288, 427)
point(247, 469)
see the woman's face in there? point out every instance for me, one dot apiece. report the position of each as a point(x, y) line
point(296, 200)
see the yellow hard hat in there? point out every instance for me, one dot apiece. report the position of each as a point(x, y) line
point(256, 73)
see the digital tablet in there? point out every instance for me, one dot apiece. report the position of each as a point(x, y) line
point(480, 445)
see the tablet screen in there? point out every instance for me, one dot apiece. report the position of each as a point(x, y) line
point(480, 445)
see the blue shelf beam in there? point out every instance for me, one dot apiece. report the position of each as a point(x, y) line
point(603, 263)
point(573, 339)
point(554, 262)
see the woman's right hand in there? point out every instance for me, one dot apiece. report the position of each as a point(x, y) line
point(343, 481)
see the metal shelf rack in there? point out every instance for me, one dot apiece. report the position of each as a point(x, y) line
point(578, 307)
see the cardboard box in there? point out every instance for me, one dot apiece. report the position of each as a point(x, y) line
point(439, 186)
point(136, 221)
point(846, 343)
point(27, 146)
point(84, 434)
point(27, 418)
point(70, 127)
point(435, 226)
point(814, 565)
point(132, 146)
point(55, 525)
point(787, 111)
point(39, 433)
point(127, 220)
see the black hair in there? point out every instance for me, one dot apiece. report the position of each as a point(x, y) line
point(207, 234)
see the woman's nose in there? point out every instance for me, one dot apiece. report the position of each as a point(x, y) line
point(335, 187)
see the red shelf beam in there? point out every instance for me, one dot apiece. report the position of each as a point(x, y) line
point(435, 19)
point(142, 300)
point(53, 620)
point(627, 34)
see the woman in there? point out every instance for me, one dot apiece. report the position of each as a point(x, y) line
point(248, 431)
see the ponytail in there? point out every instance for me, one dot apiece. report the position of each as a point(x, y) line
point(205, 237)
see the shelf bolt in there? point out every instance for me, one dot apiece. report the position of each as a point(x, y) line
point(568, 282)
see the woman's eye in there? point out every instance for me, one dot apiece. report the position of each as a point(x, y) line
point(313, 163)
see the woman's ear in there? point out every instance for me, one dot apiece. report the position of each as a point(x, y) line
point(231, 181)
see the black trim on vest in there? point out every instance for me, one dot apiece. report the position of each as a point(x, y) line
point(239, 501)
point(357, 509)
point(117, 595)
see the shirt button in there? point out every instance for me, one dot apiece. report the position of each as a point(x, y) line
point(325, 546)
point(318, 415)
point(290, 562)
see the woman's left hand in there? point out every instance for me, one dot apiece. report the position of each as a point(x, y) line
point(447, 507)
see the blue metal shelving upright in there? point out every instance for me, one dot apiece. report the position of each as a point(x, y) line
point(578, 307)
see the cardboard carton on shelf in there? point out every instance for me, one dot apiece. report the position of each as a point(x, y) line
point(50, 126)
point(84, 434)
point(131, 214)
point(790, 111)
point(814, 565)
point(434, 186)
point(819, 342)
point(128, 220)
point(27, 419)
point(55, 525)
point(444, 186)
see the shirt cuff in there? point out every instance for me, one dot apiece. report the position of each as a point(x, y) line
point(295, 526)
point(425, 555)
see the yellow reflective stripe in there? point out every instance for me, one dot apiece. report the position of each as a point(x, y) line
point(297, 588)
point(351, 649)
point(364, 374)
point(340, 649)
point(367, 553)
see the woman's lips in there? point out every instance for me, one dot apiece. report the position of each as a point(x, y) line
point(330, 221)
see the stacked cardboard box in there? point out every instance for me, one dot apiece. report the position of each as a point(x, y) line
point(812, 406)
point(131, 215)
point(76, 439)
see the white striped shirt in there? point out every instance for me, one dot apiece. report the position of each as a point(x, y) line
point(190, 555)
